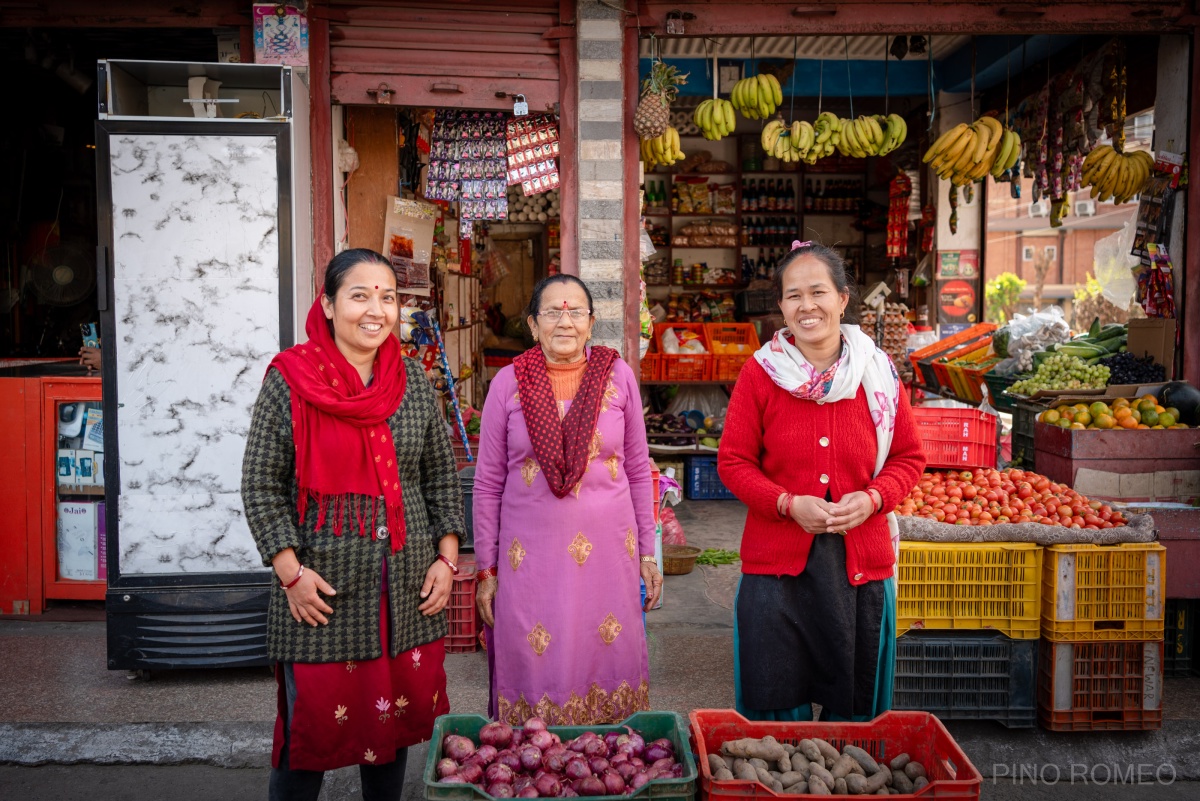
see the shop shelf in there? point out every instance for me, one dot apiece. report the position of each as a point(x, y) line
point(919, 734)
point(956, 438)
point(967, 676)
point(726, 366)
point(651, 725)
point(970, 586)
point(756, 301)
point(460, 612)
point(683, 367)
point(1100, 686)
point(1180, 637)
point(703, 483)
point(1103, 592)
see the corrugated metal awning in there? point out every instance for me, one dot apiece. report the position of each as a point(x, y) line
point(807, 47)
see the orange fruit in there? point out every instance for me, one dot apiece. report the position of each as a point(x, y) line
point(1166, 420)
point(1150, 418)
point(1078, 426)
point(1122, 412)
point(1146, 406)
point(1159, 408)
point(1105, 421)
point(1081, 407)
point(1120, 402)
point(1084, 417)
point(1149, 396)
point(1136, 415)
point(1171, 410)
point(1143, 425)
point(1049, 416)
point(1127, 422)
point(1067, 413)
point(1063, 422)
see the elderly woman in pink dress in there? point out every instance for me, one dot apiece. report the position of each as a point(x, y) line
point(564, 524)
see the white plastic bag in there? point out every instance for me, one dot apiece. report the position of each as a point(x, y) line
point(1113, 266)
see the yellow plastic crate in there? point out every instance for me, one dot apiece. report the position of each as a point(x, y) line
point(1104, 592)
point(970, 586)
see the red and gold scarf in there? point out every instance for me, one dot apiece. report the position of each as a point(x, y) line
point(561, 443)
point(345, 457)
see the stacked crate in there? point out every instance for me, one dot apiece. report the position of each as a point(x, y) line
point(967, 618)
point(1100, 662)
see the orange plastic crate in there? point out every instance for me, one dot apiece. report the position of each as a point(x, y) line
point(731, 337)
point(970, 378)
point(683, 367)
point(919, 734)
point(924, 372)
point(1100, 686)
point(956, 438)
point(942, 368)
point(460, 612)
point(650, 365)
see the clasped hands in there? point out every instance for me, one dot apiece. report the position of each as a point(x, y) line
point(819, 516)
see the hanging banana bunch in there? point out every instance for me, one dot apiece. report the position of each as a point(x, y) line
point(874, 135)
point(1116, 176)
point(966, 154)
point(757, 97)
point(662, 149)
point(714, 118)
point(788, 143)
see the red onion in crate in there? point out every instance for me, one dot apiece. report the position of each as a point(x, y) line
point(496, 733)
point(590, 786)
point(487, 754)
point(500, 790)
point(534, 724)
point(530, 757)
point(598, 765)
point(541, 739)
point(498, 773)
point(548, 786)
point(510, 758)
point(446, 767)
point(528, 792)
point(457, 747)
point(613, 783)
point(471, 772)
point(576, 769)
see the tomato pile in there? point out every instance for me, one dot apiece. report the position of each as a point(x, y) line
point(986, 497)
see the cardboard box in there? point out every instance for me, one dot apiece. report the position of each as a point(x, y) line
point(77, 541)
point(64, 466)
point(1154, 337)
point(85, 467)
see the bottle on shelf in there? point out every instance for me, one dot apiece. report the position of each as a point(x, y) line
point(789, 197)
point(772, 196)
point(808, 194)
point(744, 202)
point(760, 267)
point(747, 269)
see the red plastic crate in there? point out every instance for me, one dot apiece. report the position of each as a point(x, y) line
point(726, 366)
point(1100, 686)
point(460, 612)
point(920, 734)
point(956, 438)
point(683, 367)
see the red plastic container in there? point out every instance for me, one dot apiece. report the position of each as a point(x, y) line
point(920, 734)
point(683, 367)
point(1100, 686)
point(460, 612)
point(956, 438)
point(726, 366)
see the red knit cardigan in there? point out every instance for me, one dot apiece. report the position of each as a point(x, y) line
point(775, 443)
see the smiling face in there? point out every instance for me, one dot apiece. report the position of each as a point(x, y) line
point(562, 338)
point(364, 311)
point(812, 306)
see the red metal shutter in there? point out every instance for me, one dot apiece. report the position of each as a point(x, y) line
point(456, 53)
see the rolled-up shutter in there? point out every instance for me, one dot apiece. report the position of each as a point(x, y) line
point(456, 53)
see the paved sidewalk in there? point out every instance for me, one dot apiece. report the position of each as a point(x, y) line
point(61, 706)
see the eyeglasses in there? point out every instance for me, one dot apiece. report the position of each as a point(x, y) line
point(554, 315)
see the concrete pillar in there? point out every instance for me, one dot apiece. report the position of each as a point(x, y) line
point(601, 189)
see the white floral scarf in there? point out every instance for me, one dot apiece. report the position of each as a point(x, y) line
point(860, 364)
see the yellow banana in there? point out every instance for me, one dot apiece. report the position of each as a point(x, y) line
point(1006, 143)
point(776, 89)
point(983, 135)
point(947, 137)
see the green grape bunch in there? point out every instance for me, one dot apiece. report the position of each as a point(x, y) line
point(1061, 371)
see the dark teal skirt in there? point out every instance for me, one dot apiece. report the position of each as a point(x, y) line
point(814, 638)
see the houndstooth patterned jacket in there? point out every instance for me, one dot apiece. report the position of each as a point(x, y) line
point(353, 565)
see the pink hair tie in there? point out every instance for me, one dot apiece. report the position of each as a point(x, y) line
point(798, 244)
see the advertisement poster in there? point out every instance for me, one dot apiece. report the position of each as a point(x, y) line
point(958, 264)
point(957, 300)
point(408, 243)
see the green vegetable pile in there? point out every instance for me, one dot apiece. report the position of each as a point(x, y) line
point(717, 556)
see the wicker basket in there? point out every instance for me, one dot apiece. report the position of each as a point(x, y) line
point(678, 560)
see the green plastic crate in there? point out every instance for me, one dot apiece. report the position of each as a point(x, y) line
point(996, 385)
point(651, 725)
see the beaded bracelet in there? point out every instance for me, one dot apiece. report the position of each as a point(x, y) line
point(292, 583)
point(485, 574)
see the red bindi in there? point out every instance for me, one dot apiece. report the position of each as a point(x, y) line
point(377, 287)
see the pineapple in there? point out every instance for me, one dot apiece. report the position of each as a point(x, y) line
point(654, 108)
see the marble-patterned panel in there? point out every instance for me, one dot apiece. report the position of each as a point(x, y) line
point(196, 299)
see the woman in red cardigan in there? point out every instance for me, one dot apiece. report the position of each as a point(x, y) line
point(820, 444)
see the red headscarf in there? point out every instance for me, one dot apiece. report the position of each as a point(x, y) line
point(561, 444)
point(345, 457)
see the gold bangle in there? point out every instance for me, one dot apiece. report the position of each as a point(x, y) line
point(653, 559)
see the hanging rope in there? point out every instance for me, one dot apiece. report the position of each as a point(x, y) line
point(885, 74)
point(792, 105)
point(929, 73)
point(973, 54)
point(820, 86)
point(1007, 77)
point(1046, 119)
point(849, 87)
